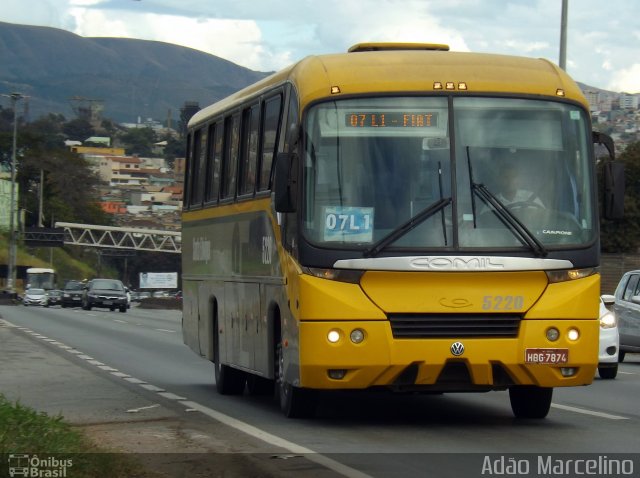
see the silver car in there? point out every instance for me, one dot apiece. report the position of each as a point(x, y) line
point(35, 297)
point(627, 309)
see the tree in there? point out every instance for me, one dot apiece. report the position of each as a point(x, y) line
point(175, 148)
point(41, 148)
point(624, 235)
point(139, 141)
point(78, 129)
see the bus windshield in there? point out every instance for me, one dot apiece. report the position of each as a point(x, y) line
point(489, 172)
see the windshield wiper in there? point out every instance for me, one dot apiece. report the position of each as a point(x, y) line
point(404, 228)
point(507, 217)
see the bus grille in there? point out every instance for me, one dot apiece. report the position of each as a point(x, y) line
point(423, 326)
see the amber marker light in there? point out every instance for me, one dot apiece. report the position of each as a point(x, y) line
point(462, 86)
point(437, 85)
point(559, 92)
point(450, 85)
point(335, 90)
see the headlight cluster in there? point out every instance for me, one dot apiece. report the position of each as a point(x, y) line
point(571, 274)
point(608, 320)
point(356, 336)
point(553, 334)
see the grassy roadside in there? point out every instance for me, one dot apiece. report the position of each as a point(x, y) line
point(24, 431)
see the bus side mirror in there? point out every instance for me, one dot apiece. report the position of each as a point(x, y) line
point(613, 190)
point(613, 172)
point(283, 183)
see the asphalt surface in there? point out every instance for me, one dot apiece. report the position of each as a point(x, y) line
point(122, 417)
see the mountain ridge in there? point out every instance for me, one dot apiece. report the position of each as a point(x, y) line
point(135, 78)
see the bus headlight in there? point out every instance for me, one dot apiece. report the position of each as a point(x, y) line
point(553, 334)
point(571, 274)
point(333, 336)
point(357, 336)
point(573, 334)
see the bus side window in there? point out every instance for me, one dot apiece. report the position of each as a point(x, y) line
point(249, 150)
point(187, 173)
point(197, 170)
point(270, 127)
point(212, 176)
point(230, 161)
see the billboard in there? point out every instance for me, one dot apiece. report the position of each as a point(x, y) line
point(158, 280)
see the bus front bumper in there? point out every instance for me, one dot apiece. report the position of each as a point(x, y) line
point(381, 360)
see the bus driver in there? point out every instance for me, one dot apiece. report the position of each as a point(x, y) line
point(511, 194)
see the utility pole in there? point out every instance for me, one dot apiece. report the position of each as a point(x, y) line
point(563, 36)
point(11, 269)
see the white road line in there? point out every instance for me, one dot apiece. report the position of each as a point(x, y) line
point(277, 441)
point(166, 330)
point(588, 412)
point(120, 374)
point(153, 388)
point(171, 396)
point(627, 373)
point(136, 410)
point(121, 321)
point(134, 380)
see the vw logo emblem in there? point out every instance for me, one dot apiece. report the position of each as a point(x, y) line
point(457, 348)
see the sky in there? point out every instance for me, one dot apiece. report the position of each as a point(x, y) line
point(603, 38)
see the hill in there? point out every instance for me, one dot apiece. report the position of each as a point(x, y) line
point(134, 78)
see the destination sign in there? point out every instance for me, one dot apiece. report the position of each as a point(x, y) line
point(394, 119)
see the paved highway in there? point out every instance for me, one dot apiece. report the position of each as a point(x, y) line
point(376, 434)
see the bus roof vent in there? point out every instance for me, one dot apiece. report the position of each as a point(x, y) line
point(398, 46)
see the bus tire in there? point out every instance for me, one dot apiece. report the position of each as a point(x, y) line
point(229, 381)
point(528, 401)
point(295, 402)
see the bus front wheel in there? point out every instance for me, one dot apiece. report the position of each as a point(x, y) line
point(295, 402)
point(529, 401)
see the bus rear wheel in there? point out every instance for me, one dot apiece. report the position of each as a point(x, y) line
point(295, 402)
point(529, 401)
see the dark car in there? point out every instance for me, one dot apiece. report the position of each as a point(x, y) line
point(54, 297)
point(72, 294)
point(105, 293)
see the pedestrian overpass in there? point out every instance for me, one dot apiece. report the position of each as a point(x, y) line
point(111, 237)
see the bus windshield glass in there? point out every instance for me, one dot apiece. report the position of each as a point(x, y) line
point(489, 172)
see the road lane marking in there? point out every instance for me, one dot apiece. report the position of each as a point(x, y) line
point(588, 412)
point(121, 321)
point(171, 396)
point(153, 388)
point(120, 374)
point(166, 330)
point(271, 439)
point(627, 373)
point(136, 410)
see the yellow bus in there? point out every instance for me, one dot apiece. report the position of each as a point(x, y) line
point(348, 225)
